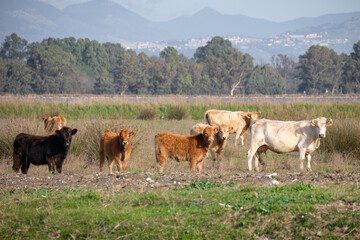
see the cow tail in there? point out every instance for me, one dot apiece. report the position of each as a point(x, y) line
point(207, 118)
point(156, 150)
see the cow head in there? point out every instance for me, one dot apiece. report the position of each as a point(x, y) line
point(320, 124)
point(46, 120)
point(65, 134)
point(223, 132)
point(253, 115)
point(208, 133)
point(124, 137)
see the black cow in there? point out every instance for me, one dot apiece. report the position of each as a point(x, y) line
point(40, 150)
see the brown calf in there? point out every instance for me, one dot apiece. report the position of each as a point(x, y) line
point(115, 146)
point(184, 148)
point(219, 142)
point(54, 123)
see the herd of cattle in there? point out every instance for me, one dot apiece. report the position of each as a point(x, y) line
point(278, 136)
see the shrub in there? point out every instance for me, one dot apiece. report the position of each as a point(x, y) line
point(148, 114)
point(178, 112)
point(343, 137)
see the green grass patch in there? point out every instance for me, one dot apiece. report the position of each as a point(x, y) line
point(175, 110)
point(200, 211)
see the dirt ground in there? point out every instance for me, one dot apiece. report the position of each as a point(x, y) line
point(144, 181)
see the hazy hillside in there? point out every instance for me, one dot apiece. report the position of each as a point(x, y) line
point(105, 21)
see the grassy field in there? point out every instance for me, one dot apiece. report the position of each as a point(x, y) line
point(203, 210)
point(93, 118)
point(199, 211)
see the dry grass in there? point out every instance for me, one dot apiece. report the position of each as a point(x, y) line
point(83, 155)
point(339, 150)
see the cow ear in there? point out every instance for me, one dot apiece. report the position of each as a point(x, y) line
point(314, 122)
point(131, 133)
point(58, 132)
point(329, 122)
point(74, 131)
point(248, 115)
point(216, 129)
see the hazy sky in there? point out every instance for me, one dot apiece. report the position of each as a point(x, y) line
point(275, 10)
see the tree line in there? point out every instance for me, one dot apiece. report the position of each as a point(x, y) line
point(72, 65)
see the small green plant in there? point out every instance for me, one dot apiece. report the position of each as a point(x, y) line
point(203, 185)
point(178, 112)
point(147, 114)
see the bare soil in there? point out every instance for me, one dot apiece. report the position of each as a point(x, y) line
point(144, 181)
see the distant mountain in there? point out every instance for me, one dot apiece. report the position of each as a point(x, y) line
point(30, 19)
point(349, 29)
point(210, 22)
point(104, 20)
point(108, 21)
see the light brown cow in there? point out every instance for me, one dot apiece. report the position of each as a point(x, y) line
point(54, 123)
point(115, 146)
point(184, 148)
point(219, 142)
point(238, 122)
point(286, 136)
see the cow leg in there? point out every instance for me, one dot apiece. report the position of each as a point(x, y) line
point(256, 162)
point(161, 163)
point(251, 153)
point(242, 140)
point(308, 158)
point(118, 164)
point(59, 165)
point(17, 156)
point(102, 159)
point(192, 165)
point(110, 164)
point(124, 160)
point(237, 137)
point(199, 166)
point(51, 165)
point(24, 166)
point(214, 157)
point(302, 158)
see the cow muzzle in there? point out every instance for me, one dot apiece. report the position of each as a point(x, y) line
point(125, 143)
point(321, 135)
point(210, 139)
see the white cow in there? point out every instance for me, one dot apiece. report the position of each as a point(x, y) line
point(237, 122)
point(284, 137)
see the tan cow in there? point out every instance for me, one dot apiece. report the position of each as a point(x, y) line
point(219, 142)
point(115, 146)
point(184, 148)
point(54, 123)
point(284, 137)
point(238, 122)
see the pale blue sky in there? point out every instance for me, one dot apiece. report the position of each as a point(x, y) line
point(274, 10)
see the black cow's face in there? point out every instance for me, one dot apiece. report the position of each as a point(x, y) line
point(65, 134)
